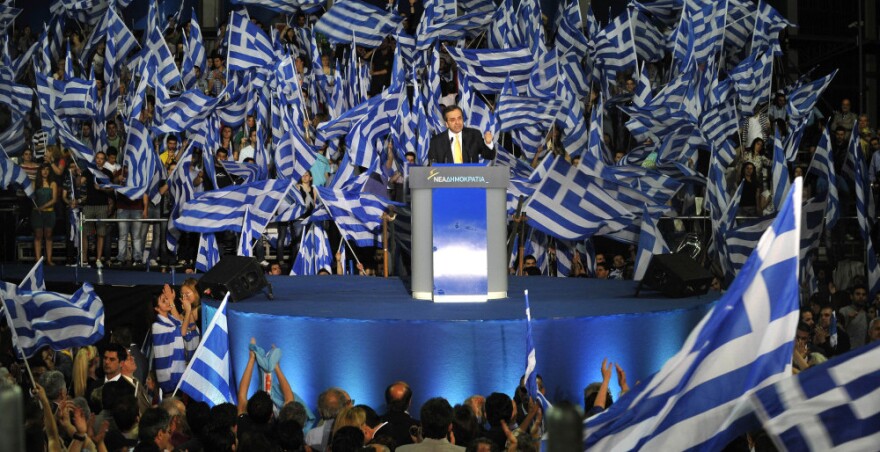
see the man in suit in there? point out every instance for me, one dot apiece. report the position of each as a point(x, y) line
point(460, 144)
point(398, 397)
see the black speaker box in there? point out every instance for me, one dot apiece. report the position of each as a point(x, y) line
point(240, 276)
point(676, 276)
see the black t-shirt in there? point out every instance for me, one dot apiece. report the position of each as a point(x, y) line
point(94, 195)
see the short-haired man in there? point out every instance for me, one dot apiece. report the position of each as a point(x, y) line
point(460, 144)
point(154, 431)
point(822, 337)
point(114, 356)
point(437, 416)
point(856, 316)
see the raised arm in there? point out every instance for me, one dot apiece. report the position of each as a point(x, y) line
point(245, 382)
point(285, 386)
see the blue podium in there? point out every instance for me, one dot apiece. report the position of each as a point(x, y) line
point(459, 215)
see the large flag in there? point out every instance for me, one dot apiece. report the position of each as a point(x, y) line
point(743, 344)
point(249, 46)
point(314, 252)
point(223, 209)
point(41, 318)
point(834, 406)
point(354, 20)
point(208, 376)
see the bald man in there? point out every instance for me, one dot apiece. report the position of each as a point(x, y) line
point(398, 397)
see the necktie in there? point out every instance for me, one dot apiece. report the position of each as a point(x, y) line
point(456, 150)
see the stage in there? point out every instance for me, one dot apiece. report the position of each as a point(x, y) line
point(362, 333)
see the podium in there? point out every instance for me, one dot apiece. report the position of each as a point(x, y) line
point(459, 229)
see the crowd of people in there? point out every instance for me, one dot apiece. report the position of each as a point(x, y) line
point(91, 399)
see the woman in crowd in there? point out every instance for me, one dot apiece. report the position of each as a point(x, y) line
point(43, 215)
point(28, 164)
point(169, 329)
point(189, 296)
point(749, 200)
point(85, 367)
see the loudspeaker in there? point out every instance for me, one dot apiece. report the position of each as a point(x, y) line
point(676, 276)
point(240, 276)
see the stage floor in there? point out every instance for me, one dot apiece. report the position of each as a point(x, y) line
point(362, 333)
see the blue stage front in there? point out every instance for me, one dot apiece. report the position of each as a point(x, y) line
point(363, 333)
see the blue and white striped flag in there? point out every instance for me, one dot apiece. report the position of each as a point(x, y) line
point(34, 280)
point(249, 46)
point(169, 358)
point(781, 181)
point(223, 209)
point(279, 6)
point(692, 402)
point(246, 241)
point(569, 37)
point(314, 252)
point(832, 406)
point(487, 69)
point(354, 20)
point(823, 167)
point(40, 318)
point(195, 55)
point(751, 79)
point(358, 215)
point(144, 167)
point(208, 376)
point(651, 243)
point(865, 212)
point(10, 173)
point(531, 356)
point(8, 13)
point(209, 253)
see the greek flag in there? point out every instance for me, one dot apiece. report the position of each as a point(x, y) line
point(531, 357)
point(569, 37)
point(570, 205)
point(768, 24)
point(8, 13)
point(41, 318)
point(223, 209)
point(169, 358)
point(10, 173)
point(693, 402)
point(354, 20)
point(823, 167)
point(358, 215)
point(453, 29)
point(209, 253)
point(865, 213)
point(314, 252)
point(834, 406)
point(651, 243)
point(781, 181)
point(142, 161)
point(487, 69)
point(751, 79)
point(248, 44)
point(156, 53)
point(248, 234)
point(194, 48)
point(208, 376)
point(34, 280)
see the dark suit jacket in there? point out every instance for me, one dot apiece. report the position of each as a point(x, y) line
point(472, 147)
point(398, 425)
